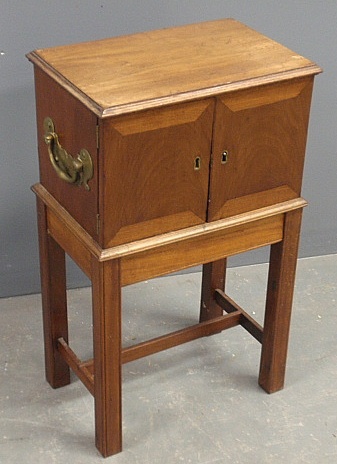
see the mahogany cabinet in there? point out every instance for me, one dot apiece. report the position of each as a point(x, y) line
point(159, 151)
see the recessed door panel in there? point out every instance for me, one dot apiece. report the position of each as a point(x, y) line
point(259, 146)
point(156, 171)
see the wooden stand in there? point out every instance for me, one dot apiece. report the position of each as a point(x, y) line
point(111, 269)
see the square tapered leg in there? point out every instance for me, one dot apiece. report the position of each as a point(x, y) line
point(54, 301)
point(107, 355)
point(281, 281)
point(213, 277)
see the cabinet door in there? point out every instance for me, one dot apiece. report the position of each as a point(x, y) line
point(155, 171)
point(259, 145)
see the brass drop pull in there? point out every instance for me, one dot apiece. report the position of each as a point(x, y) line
point(77, 170)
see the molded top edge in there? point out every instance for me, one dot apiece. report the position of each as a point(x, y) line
point(151, 69)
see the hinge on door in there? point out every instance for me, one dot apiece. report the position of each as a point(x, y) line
point(97, 136)
point(98, 223)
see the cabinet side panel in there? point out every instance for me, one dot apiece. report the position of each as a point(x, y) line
point(75, 126)
point(263, 132)
point(156, 169)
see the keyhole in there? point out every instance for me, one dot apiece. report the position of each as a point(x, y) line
point(197, 163)
point(224, 157)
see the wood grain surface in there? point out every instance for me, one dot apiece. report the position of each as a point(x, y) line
point(123, 74)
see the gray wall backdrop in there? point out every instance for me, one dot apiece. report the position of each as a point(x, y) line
point(306, 26)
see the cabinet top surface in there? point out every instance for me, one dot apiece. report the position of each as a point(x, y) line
point(151, 69)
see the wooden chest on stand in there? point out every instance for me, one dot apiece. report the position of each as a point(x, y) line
point(160, 151)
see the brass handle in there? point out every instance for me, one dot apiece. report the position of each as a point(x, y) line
point(74, 171)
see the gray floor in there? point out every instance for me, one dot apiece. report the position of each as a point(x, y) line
point(197, 403)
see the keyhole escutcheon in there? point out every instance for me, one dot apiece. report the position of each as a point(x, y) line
point(224, 157)
point(197, 163)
